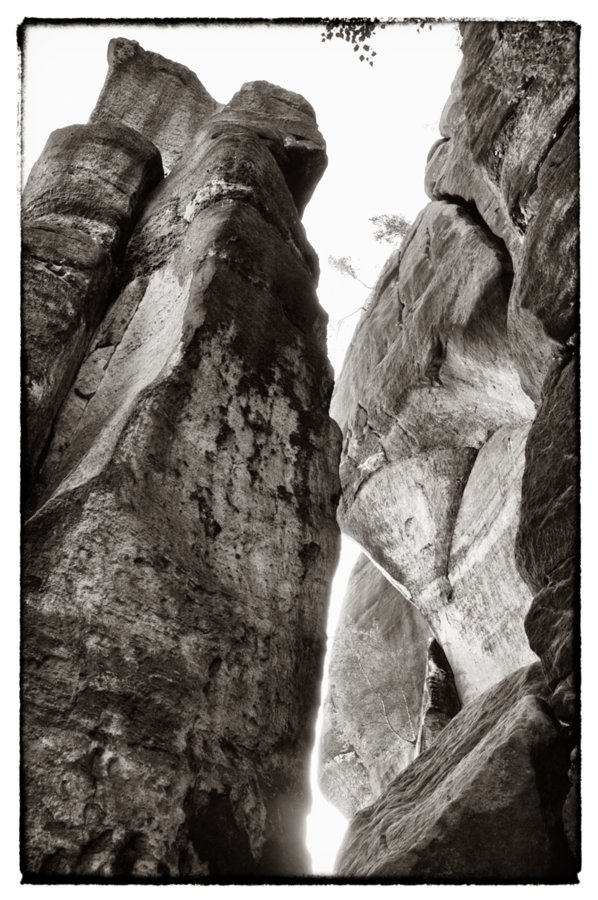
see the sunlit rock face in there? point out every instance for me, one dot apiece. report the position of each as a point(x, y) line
point(459, 472)
point(434, 421)
point(159, 98)
point(482, 804)
point(179, 555)
point(376, 682)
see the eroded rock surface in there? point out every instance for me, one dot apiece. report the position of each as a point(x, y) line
point(458, 404)
point(434, 422)
point(160, 99)
point(546, 552)
point(177, 566)
point(376, 681)
point(79, 205)
point(510, 149)
point(484, 803)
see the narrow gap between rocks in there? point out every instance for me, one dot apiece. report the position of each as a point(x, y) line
point(326, 826)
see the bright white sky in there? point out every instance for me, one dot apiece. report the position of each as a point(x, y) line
point(378, 123)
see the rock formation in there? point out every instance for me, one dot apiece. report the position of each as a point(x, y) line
point(376, 681)
point(434, 421)
point(459, 471)
point(182, 534)
point(181, 484)
point(81, 201)
point(482, 804)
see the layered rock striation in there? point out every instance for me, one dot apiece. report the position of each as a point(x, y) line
point(182, 536)
point(459, 471)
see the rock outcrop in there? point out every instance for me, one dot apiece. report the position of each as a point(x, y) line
point(80, 203)
point(509, 150)
point(160, 99)
point(459, 408)
point(180, 550)
point(483, 804)
point(434, 421)
point(376, 681)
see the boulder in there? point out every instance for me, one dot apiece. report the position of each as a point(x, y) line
point(482, 804)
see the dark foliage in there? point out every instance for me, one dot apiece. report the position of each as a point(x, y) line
point(358, 32)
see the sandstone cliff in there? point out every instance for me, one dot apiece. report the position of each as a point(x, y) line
point(458, 406)
point(181, 535)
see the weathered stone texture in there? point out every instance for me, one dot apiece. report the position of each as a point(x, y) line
point(546, 546)
point(482, 804)
point(178, 563)
point(458, 404)
point(376, 680)
point(510, 149)
point(286, 123)
point(79, 205)
point(160, 99)
point(434, 422)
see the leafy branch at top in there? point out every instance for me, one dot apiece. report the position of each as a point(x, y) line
point(358, 32)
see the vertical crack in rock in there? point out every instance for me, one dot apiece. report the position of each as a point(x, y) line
point(440, 701)
point(177, 564)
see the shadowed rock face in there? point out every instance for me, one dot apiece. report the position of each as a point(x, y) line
point(482, 804)
point(440, 701)
point(177, 564)
point(546, 554)
point(376, 680)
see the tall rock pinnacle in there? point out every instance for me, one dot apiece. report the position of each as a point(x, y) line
point(182, 538)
